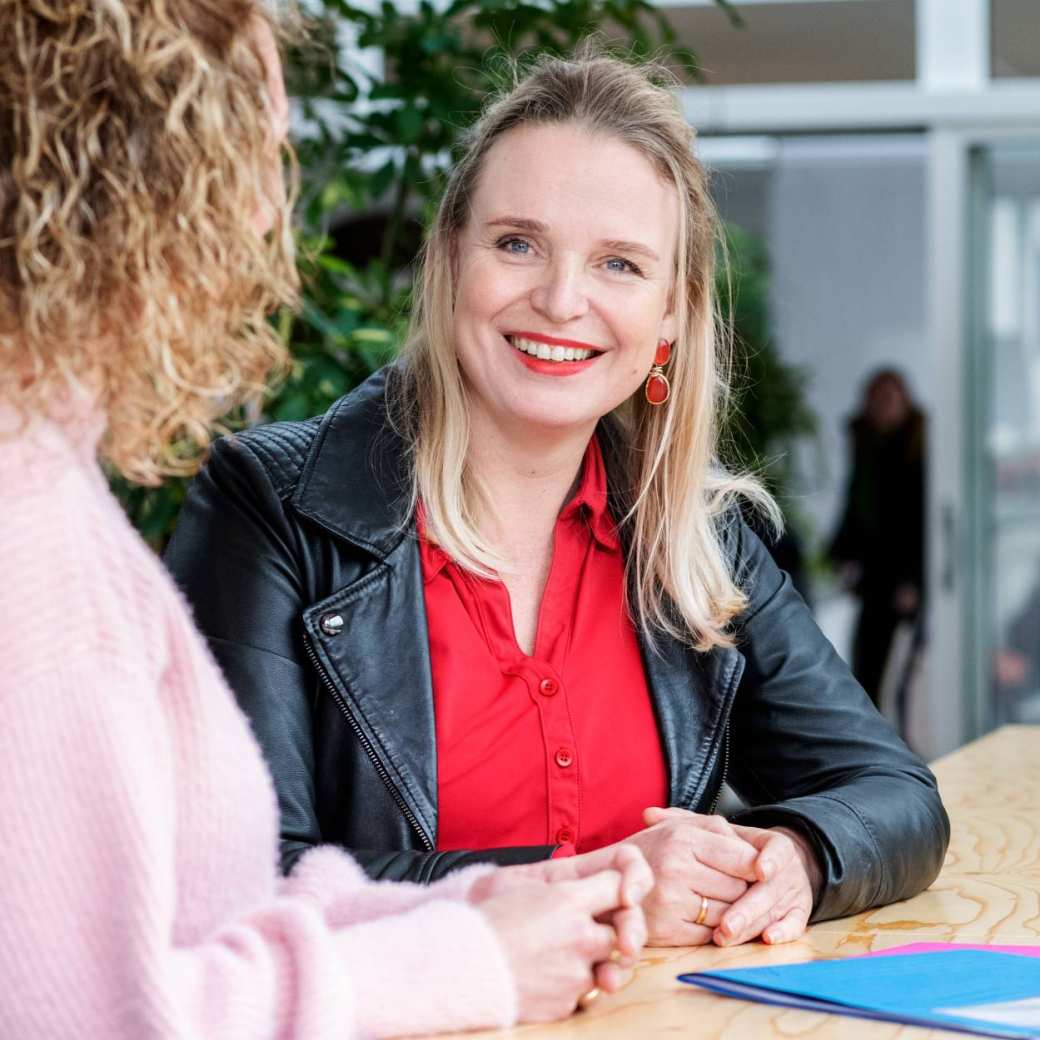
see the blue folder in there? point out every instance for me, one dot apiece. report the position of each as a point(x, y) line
point(972, 991)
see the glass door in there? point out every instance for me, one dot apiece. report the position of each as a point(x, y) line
point(1003, 623)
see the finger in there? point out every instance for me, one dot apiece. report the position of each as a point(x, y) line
point(765, 903)
point(656, 813)
point(729, 855)
point(595, 894)
point(600, 943)
point(712, 916)
point(676, 932)
point(775, 854)
point(718, 824)
point(788, 928)
point(630, 928)
point(611, 977)
point(637, 879)
point(714, 884)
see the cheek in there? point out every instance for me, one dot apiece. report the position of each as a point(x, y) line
point(484, 291)
point(474, 287)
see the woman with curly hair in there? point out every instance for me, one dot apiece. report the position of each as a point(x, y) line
point(143, 241)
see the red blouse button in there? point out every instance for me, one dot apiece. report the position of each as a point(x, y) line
point(564, 757)
point(547, 687)
point(564, 836)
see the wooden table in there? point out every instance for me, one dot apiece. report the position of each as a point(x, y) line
point(988, 892)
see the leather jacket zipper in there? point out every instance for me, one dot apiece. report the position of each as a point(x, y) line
point(725, 769)
point(367, 745)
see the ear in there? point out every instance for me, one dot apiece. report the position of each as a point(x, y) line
point(669, 326)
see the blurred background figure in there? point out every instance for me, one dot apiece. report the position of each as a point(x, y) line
point(1016, 660)
point(879, 543)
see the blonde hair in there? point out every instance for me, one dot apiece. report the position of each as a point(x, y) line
point(677, 494)
point(135, 148)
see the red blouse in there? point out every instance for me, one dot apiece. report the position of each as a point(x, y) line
point(560, 747)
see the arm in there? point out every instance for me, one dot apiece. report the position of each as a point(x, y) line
point(92, 941)
point(249, 568)
point(811, 754)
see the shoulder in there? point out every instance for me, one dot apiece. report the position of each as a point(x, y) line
point(79, 584)
point(278, 449)
point(750, 563)
point(281, 453)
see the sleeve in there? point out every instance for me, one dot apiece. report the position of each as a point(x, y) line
point(242, 563)
point(810, 752)
point(334, 880)
point(91, 914)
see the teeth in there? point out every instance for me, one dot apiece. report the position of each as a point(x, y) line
point(544, 352)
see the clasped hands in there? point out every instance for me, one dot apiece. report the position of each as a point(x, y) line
point(757, 882)
point(602, 907)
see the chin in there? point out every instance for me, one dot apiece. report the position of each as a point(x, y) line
point(550, 416)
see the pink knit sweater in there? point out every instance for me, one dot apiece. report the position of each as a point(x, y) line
point(139, 896)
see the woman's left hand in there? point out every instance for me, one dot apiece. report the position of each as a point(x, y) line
point(627, 920)
point(778, 905)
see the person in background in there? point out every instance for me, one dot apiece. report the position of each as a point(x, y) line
point(879, 543)
point(143, 240)
point(499, 605)
point(1016, 657)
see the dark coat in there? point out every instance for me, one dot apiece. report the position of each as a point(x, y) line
point(299, 558)
point(882, 524)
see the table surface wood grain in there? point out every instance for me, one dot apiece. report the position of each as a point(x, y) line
point(988, 892)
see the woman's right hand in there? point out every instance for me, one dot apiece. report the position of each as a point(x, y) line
point(691, 855)
point(553, 941)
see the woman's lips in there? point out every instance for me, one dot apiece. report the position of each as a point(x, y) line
point(550, 356)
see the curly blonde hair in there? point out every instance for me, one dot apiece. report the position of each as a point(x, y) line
point(136, 145)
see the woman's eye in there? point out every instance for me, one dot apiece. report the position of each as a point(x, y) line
point(516, 246)
point(619, 264)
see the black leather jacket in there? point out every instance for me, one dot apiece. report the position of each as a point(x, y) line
point(297, 554)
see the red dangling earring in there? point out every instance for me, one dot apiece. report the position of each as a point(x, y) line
point(657, 388)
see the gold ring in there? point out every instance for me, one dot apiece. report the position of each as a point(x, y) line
point(702, 916)
point(586, 999)
point(615, 955)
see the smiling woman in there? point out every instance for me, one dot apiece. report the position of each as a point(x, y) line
point(499, 604)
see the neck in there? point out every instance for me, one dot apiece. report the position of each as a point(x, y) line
point(529, 475)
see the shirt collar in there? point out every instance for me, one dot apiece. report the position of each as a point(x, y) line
point(588, 503)
point(590, 499)
point(434, 558)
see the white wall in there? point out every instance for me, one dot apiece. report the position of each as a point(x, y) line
point(843, 218)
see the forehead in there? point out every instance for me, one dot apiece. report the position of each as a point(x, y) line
point(577, 181)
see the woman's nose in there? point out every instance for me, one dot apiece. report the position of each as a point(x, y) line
point(561, 294)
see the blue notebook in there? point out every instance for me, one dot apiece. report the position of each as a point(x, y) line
point(973, 991)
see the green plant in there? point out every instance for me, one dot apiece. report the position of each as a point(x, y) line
point(378, 141)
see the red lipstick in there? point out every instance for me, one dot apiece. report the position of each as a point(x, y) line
point(552, 368)
point(555, 341)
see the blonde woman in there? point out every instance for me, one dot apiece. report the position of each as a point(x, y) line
point(499, 604)
point(143, 239)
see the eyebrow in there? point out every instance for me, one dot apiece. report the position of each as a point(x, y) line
point(619, 245)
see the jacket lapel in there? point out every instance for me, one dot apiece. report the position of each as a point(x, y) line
point(692, 694)
point(380, 661)
point(376, 655)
